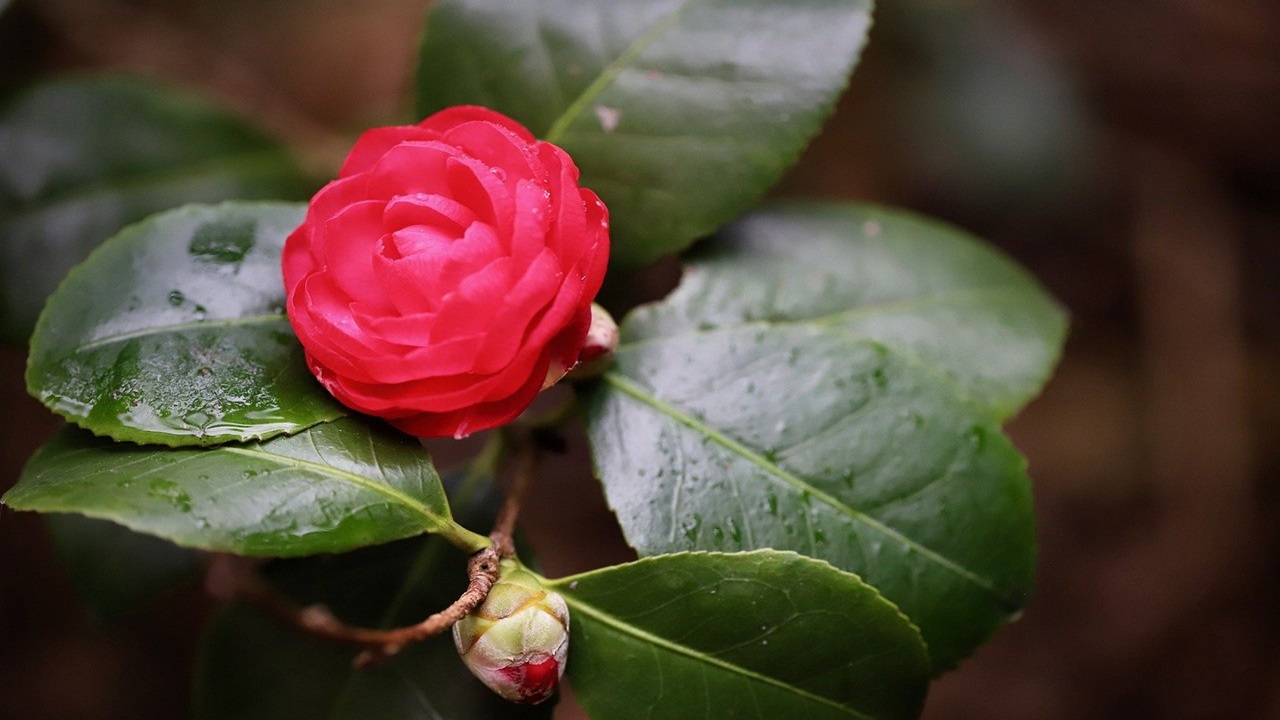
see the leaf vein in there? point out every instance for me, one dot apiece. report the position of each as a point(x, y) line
point(626, 386)
point(265, 319)
point(435, 521)
point(655, 642)
point(610, 72)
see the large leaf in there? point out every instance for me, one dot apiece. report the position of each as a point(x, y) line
point(81, 158)
point(252, 668)
point(114, 570)
point(749, 411)
point(761, 635)
point(927, 290)
point(680, 113)
point(174, 332)
point(333, 487)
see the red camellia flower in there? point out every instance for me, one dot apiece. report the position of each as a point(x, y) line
point(447, 275)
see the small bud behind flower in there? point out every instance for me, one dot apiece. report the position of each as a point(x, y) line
point(597, 350)
point(517, 640)
point(596, 354)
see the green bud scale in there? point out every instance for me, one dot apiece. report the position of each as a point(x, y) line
point(516, 642)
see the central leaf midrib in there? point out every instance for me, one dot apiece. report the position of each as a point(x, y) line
point(610, 72)
point(635, 391)
point(266, 319)
point(578, 606)
point(436, 521)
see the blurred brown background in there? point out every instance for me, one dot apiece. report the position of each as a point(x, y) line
point(1127, 152)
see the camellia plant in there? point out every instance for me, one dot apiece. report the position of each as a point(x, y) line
point(802, 441)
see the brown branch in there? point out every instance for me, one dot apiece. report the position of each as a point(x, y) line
point(231, 577)
point(526, 460)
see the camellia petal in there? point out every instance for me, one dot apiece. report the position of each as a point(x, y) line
point(447, 273)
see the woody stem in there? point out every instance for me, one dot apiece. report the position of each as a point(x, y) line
point(231, 577)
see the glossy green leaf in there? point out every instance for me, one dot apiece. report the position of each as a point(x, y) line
point(929, 291)
point(679, 113)
point(114, 570)
point(252, 668)
point(772, 402)
point(81, 158)
point(761, 635)
point(174, 332)
point(333, 487)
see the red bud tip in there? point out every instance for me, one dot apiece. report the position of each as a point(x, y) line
point(534, 681)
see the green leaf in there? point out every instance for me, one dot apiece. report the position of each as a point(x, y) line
point(333, 487)
point(679, 113)
point(927, 290)
point(252, 668)
point(760, 635)
point(80, 158)
point(115, 570)
point(174, 332)
point(758, 407)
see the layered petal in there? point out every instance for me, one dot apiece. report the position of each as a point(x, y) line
point(447, 273)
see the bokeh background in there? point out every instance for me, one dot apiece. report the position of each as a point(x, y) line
point(1128, 153)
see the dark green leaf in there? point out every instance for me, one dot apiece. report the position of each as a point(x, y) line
point(252, 668)
point(680, 113)
point(174, 332)
point(81, 158)
point(762, 635)
point(929, 291)
point(772, 402)
point(115, 570)
point(333, 487)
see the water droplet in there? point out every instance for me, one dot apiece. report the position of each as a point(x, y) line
point(499, 173)
point(223, 241)
point(176, 298)
point(171, 492)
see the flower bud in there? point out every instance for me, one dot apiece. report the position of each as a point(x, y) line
point(517, 640)
point(598, 348)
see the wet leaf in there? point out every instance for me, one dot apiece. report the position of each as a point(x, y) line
point(333, 487)
point(927, 290)
point(174, 332)
point(680, 113)
point(759, 635)
point(812, 386)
